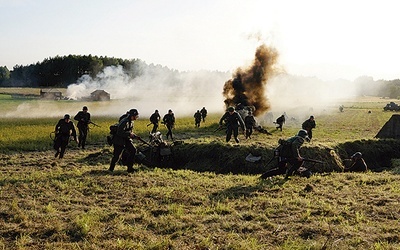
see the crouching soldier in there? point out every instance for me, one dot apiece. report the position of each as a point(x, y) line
point(122, 141)
point(357, 163)
point(288, 153)
point(64, 130)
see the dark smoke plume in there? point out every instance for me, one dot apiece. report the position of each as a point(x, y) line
point(248, 85)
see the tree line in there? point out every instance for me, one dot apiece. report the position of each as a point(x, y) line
point(61, 71)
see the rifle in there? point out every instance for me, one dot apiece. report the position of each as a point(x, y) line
point(149, 124)
point(313, 161)
point(219, 128)
point(90, 122)
point(140, 139)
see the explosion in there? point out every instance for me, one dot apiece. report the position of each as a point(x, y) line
point(248, 85)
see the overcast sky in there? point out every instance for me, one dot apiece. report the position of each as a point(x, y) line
point(327, 39)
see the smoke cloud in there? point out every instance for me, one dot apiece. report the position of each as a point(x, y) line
point(248, 85)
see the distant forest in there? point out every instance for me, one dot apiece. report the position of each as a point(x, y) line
point(61, 71)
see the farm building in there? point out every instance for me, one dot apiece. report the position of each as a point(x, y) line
point(99, 95)
point(51, 94)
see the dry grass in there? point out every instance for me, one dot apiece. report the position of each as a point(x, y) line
point(74, 203)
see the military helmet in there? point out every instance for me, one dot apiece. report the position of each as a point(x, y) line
point(303, 133)
point(133, 112)
point(66, 116)
point(231, 109)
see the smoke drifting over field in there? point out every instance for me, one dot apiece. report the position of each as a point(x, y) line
point(156, 88)
point(249, 84)
point(263, 85)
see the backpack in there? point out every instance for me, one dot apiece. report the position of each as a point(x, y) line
point(284, 149)
point(113, 131)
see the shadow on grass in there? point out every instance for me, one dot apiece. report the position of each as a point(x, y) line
point(270, 185)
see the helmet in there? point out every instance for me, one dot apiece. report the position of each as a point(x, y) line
point(133, 112)
point(303, 133)
point(84, 108)
point(66, 116)
point(356, 155)
point(231, 109)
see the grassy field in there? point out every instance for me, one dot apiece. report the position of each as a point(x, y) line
point(74, 203)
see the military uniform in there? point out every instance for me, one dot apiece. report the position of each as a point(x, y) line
point(233, 120)
point(203, 112)
point(197, 118)
point(280, 121)
point(83, 118)
point(154, 119)
point(122, 142)
point(358, 164)
point(169, 121)
point(249, 122)
point(288, 154)
point(308, 125)
point(64, 130)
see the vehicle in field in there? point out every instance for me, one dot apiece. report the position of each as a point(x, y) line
point(391, 107)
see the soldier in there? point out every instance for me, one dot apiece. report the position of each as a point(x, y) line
point(203, 112)
point(154, 119)
point(122, 141)
point(308, 125)
point(83, 118)
point(249, 122)
point(197, 118)
point(169, 121)
point(233, 120)
point(280, 121)
point(288, 153)
point(64, 130)
point(358, 164)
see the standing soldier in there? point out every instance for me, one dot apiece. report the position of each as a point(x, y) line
point(197, 119)
point(308, 125)
point(83, 118)
point(249, 122)
point(169, 121)
point(233, 119)
point(64, 130)
point(122, 140)
point(203, 112)
point(154, 119)
point(280, 121)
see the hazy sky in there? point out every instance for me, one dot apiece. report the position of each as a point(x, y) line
point(327, 39)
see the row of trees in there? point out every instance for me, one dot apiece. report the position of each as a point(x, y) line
point(61, 71)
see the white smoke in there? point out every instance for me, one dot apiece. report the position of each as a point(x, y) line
point(155, 88)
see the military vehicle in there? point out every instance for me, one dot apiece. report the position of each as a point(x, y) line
point(391, 107)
